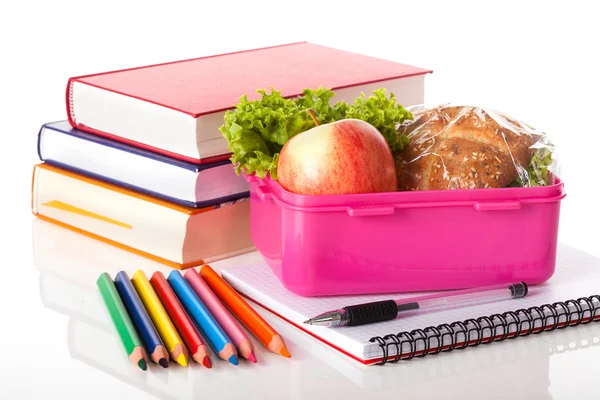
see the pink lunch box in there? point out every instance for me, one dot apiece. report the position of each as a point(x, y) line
point(405, 241)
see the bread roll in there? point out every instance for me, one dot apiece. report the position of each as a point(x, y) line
point(461, 147)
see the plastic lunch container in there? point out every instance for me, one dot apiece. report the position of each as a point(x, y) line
point(405, 241)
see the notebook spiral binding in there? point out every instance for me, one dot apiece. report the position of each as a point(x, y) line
point(487, 329)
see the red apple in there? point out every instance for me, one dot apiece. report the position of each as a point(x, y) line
point(344, 157)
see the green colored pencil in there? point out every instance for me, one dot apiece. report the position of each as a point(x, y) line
point(129, 337)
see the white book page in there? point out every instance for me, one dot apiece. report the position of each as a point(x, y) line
point(119, 165)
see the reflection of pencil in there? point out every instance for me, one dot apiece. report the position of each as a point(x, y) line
point(181, 320)
point(129, 337)
point(211, 329)
point(242, 310)
point(141, 320)
point(160, 318)
point(221, 314)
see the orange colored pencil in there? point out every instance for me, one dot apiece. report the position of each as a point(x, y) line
point(242, 310)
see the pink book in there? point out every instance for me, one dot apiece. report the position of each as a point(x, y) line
point(176, 108)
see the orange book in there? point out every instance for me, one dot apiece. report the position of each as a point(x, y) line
point(172, 234)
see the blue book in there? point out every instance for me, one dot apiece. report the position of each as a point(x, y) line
point(189, 184)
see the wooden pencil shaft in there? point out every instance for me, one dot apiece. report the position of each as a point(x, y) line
point(138, 313)
point(180, 318)
point(217, 309)
point(211, 329)
point(156, 311)
point(118, 313)
point(238, 306)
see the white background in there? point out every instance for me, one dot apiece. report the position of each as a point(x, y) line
point(538, 60)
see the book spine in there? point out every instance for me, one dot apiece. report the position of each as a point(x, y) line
point(69, 103)
point(39, 143)
point(34, 190)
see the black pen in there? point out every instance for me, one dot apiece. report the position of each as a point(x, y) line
point(386, 310)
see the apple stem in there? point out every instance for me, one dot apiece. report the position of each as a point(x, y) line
point(312, 115)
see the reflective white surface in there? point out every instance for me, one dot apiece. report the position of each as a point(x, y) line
point(60, 340)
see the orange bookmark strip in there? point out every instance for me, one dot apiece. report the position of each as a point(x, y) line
point(59, 205)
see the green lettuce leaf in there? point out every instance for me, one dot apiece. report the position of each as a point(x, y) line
point(257, 130)
point(384, 114)
point(538, 171)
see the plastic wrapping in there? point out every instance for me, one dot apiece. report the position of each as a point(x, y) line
point(467, 147)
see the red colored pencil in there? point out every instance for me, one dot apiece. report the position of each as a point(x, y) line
point(181, 320)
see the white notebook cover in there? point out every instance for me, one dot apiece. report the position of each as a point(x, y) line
point(577, 275)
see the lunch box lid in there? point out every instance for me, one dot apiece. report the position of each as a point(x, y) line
point(384, 203)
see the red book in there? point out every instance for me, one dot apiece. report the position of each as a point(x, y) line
point(176, 108)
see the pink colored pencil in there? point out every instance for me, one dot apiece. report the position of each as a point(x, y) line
point(221, 315)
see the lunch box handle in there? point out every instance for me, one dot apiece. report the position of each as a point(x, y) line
point(370, 211)
point(264, 193)
point(498, 205)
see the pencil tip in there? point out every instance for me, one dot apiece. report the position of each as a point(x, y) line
point(182, 361)
point(142, 364)
point(251, 357)
point(206, 362)
point(233, 359)
point(163, 363)
point(284, 352)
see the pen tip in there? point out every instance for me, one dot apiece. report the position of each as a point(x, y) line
point(308, 321)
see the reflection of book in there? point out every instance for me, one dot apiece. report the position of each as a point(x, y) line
point(79, 259)
point(166, 232)
point(79, 301)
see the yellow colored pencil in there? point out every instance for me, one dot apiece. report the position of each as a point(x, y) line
point(160, 318)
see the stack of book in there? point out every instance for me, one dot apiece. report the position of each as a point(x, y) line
point(139, 161)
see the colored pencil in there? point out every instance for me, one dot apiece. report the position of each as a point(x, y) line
point(141, 320)
point(181, 320)
point(229, 324)
point(242, 310)
point(129, 337)
point(160, 318)
point(211, 329)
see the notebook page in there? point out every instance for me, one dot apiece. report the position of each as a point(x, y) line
point(577, 275)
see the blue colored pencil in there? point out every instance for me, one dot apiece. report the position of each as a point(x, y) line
point(213, 332)
point(141, 320)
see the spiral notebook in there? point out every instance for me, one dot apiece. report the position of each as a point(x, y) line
point(571, 297)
